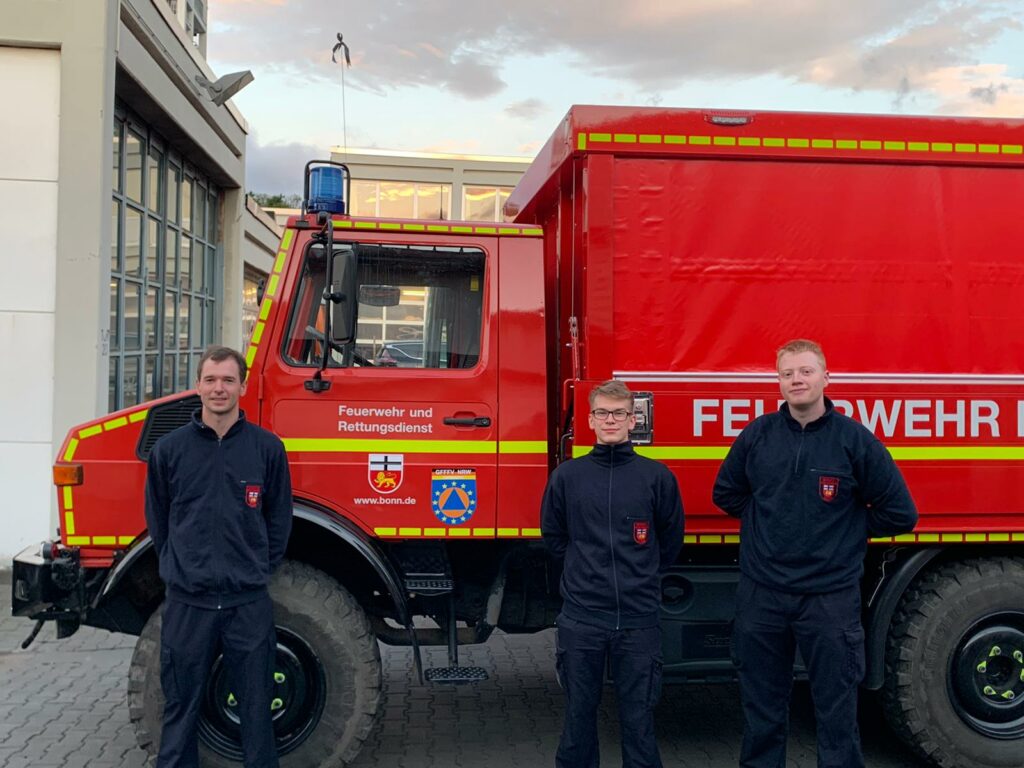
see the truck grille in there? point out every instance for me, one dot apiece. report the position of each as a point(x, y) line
point(162, 419)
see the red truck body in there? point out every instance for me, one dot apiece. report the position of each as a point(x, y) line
point(674, 250)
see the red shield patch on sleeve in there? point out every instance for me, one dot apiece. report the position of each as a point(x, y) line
point(641, 529)
point(252, 495)
point(828, 487)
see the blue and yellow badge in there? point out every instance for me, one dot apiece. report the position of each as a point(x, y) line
point(453, 494)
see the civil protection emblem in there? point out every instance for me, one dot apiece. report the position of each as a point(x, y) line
point(252, 496)
point(453, 495)
point(641, 531)
point(384, 471)
point(828, 487)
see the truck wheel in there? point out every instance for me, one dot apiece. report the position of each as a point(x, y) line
point(954, 682)
point(327, 678)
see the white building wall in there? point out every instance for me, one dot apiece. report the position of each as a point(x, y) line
point(29, 78)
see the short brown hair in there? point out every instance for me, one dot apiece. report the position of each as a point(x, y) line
point(219, 354)
point(796, 346)
point(612, 389)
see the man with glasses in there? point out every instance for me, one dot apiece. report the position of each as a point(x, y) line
point(614, 520)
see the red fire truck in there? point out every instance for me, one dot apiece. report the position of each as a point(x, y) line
point(674, 250)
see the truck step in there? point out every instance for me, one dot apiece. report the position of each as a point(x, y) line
point(429, 584)
point(455, 675)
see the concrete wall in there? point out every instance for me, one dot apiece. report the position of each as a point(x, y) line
point(29, 174)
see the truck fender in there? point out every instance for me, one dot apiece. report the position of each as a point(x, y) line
point(882, 606)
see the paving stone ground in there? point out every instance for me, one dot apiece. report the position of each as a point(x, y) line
point(62, 703)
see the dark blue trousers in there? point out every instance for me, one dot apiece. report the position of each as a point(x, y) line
point(827, 629)
point(635, 657)
point(190, 639)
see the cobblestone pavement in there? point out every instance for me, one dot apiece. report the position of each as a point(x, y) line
point(62, 703)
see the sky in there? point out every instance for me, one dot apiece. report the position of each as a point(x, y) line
point(495, 78)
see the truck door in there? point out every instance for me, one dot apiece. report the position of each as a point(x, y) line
point(404, 439)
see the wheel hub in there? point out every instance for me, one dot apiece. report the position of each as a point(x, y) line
point(297, 700)
point(987, 678)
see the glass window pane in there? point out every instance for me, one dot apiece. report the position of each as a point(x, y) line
point(155, 199)
point(186, 204)
point(113, 383)
point(185, 275)
point(503, 196)
point(133, 166)
point(396, 199)
point(183, 380)
point(211, 218)
point(195, 366)
point(199, 268)
point(183, 322)
point(197, 322)
point(152, 306)
point(210, 321)
point(149, 383)
point(364, 198)
point(170, 302)
point(478, 203)
point(211, 262)
point(117, 155)
point(446, 201)
point(115, 300)
point(171, 258)
point(173, 192)
point(169, 369)
point(153, 251)
point(132, 315)
point(130, 381)
point(115, 236)
point(132, 242)
point(428, 201)
point(200, 211)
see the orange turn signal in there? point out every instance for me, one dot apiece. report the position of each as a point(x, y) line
point(68, 474)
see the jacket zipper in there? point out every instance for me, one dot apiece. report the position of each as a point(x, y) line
point(799, 450)
point(220, 475)
point(611, 540)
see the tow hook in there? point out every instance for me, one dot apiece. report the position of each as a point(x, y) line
point(32, 635)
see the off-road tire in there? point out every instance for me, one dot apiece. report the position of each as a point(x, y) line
point(933, 625)
point(316, 608)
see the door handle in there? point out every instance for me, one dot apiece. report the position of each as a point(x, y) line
point(468, 421)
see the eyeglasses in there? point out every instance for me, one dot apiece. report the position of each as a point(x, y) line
point(601, 414)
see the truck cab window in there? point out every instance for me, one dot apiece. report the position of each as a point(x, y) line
point(418, 307)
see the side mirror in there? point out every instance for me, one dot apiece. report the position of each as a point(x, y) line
point(343, 297)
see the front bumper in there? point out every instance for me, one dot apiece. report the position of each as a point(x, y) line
point(45, 588)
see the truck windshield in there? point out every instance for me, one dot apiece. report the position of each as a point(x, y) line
point(420, 307)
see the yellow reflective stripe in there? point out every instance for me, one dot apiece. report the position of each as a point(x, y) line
point(454, 229)
point(689, 538)
point(822, 143)
point(508, 531)
point(650, 138)
point(670, 139)
point(125, 539)
point(250, 355)
point(115, 423)
point(257, 333)
point(871, 145)
point(483, 532)
point(68, 504)
point(1012, 149)
point(264, 309)
point(386, 531)
point(95, 429)
point(389, 225)
point(410, 531)
point(272, 286)
point(138, 416)
point(625, 138)
point(433, 531)
point(78, 540)
point(725, 141)
point(522, 446)
point(286, 241)
point(581, 141)
point(798, 143)
point(957, 452)
point(69, 523)
point(772, 141)
point(459, 532)
point(966, 147)
point(468, 230)
point(279, 262)
point(104, 540)
point(532, 532)
point(70, 452)
point(703, 141)
point(369, 445)
point(895, 146)
point(487, 230)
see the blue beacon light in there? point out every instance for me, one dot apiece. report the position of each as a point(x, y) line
point(326, 190)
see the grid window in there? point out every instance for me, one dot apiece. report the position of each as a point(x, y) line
point(484, 203)
point(162, 300)
point(401, 199)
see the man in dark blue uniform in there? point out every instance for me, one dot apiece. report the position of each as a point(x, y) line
point(809, 486)
point(219, 512)
point(615, 519)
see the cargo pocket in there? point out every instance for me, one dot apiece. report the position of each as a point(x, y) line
point(654, 684)
point(854, 664)
point(168, 679)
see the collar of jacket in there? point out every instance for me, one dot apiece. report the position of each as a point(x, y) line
point(606, 455)
point(208, 432)
point(812, 426)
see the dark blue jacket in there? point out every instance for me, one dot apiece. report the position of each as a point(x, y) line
point(219, 511)
point(616, 520)
point(808, 499)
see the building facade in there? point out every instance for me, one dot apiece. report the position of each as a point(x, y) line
point(127, 229)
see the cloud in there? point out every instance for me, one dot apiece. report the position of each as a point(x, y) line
point(277, 168)
point(527, 109)
point(469, 49)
